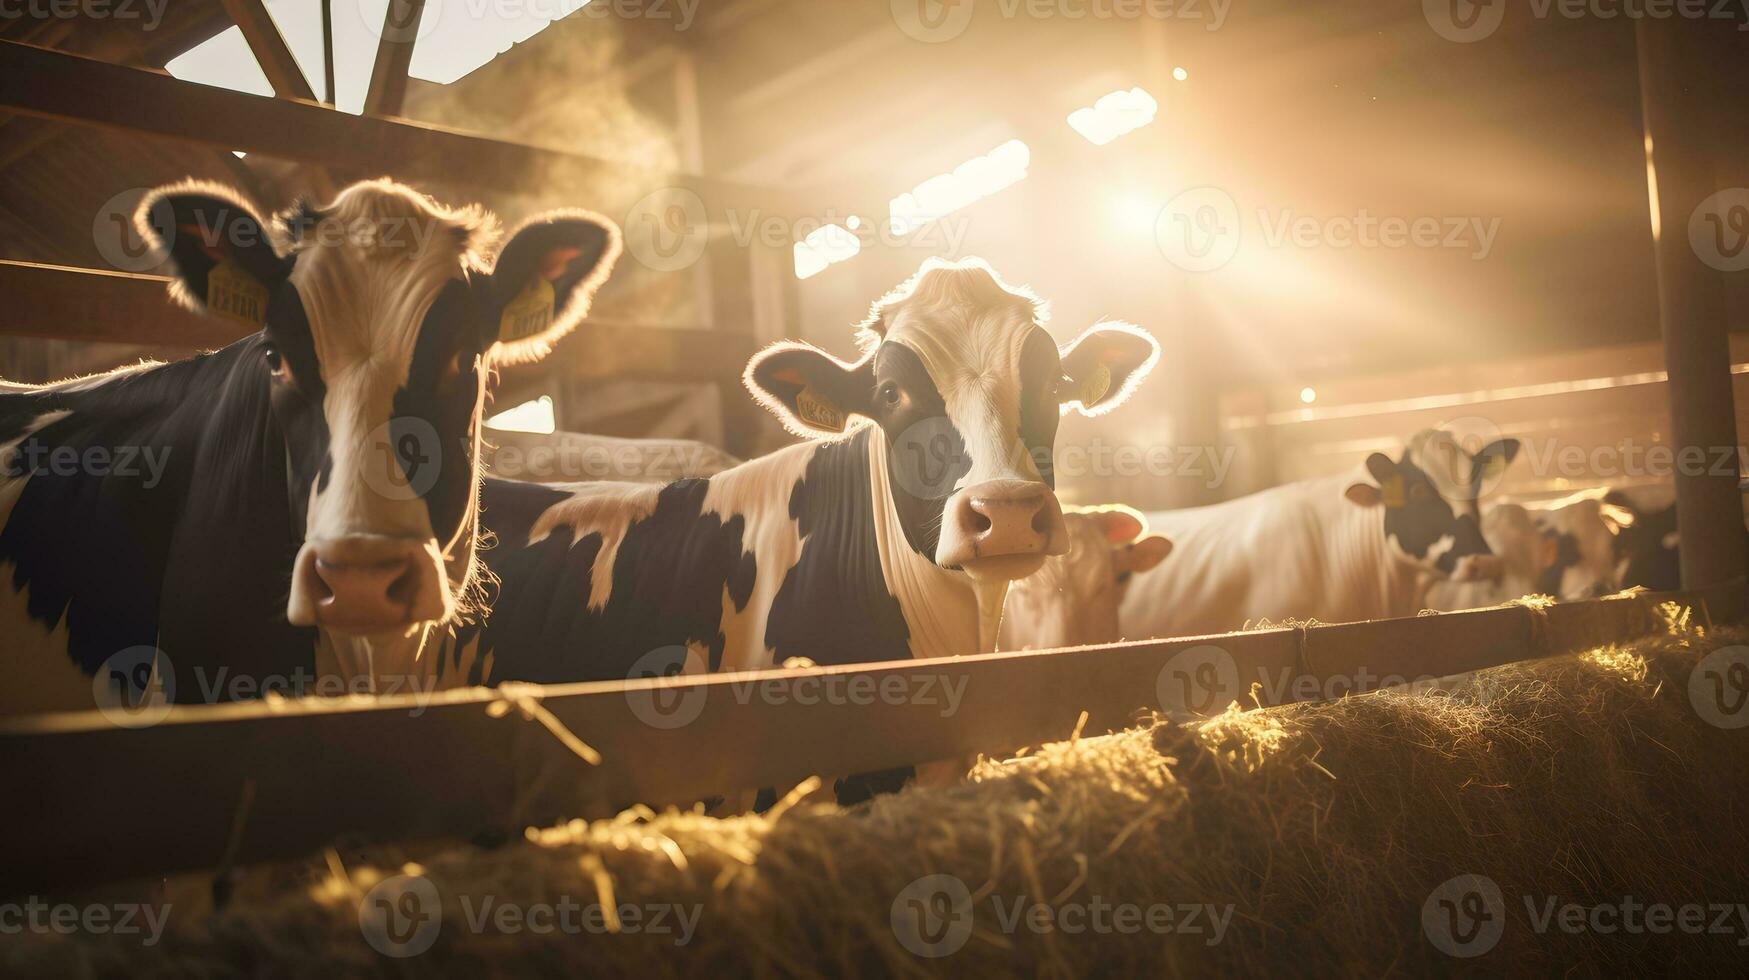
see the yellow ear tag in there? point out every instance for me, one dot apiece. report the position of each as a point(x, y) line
point(817, 411)
point(1392, 492)
point(1493, 467)
point(1097, 383)
point(529, 313)
point(234, 293)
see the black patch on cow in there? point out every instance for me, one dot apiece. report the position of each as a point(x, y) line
point(1566, 556)
point(834, 606)
point(670, 575)
point(297, 407)
point(926, 454)
point(195, 563)
point(1425, 517)
point(438, 399)
point(1639, 547)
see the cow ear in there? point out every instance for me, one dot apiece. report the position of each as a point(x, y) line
point(1144, 554)
point(1363, 495)
point(811, 392)
point(1119, 525)
point(1104, 365)
point(545, 277)
point(1490, 462)
point(1381, 467)
point(223, 259)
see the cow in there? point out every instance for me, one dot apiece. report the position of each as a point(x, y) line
point(1339, 549)
point(923, 486)
point(1649, 548)
point(1565, 550)
point(1073, 600)
point(300, 491)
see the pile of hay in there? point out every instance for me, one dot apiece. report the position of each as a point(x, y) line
point(1319, 833)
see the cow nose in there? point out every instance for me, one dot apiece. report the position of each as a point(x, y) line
point(365, 584)
point(1002, 529)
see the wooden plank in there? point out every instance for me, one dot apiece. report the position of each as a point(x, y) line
point(65, 303)
point(270, 49)
point(58, 85)
point(452, 764)
point(388, 77)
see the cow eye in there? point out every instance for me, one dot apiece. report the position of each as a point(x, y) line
point(889, 394)
point(277, 364)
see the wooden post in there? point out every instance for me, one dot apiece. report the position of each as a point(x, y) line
point(270, 50)
point(388, 78)
point(1674, 55)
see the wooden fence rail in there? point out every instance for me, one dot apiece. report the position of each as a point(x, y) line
point(71, 88)
point(64, 303)
point(90, 801)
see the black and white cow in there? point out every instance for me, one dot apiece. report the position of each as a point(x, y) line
point(1339, 549)
point(318, 477)
point(925, 486)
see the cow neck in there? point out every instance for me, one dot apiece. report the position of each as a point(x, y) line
point(947, 613)
point(186, 558)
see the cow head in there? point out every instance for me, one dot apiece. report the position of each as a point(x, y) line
point(1073, 600)
point(380, 323)
point(966, 388)
point(1419, 521)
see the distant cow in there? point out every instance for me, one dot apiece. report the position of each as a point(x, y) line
point(320, 472)
point(924, 488)
point(1074, 598)
point(1338, 549)
point(1565, 550)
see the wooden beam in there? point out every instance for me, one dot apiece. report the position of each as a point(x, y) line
point(66, 303)
point(1676, 100)
point(57, 85)
point(452, 764)
point(270, 50)
point(388, 77)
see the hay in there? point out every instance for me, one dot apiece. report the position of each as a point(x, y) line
point(1325, 828)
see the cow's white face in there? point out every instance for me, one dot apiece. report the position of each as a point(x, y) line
point(378, 330)
point(967, 389)
point(1073, 600)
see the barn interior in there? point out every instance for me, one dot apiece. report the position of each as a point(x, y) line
point(1344, 222)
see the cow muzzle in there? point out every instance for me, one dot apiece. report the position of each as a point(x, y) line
point(1001, 530)
point(367, 584)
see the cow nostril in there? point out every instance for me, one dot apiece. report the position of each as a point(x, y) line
point(1041, 519)
point(980, 521)
point(402, 589)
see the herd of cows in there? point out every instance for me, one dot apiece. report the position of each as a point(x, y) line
point(319, 507)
